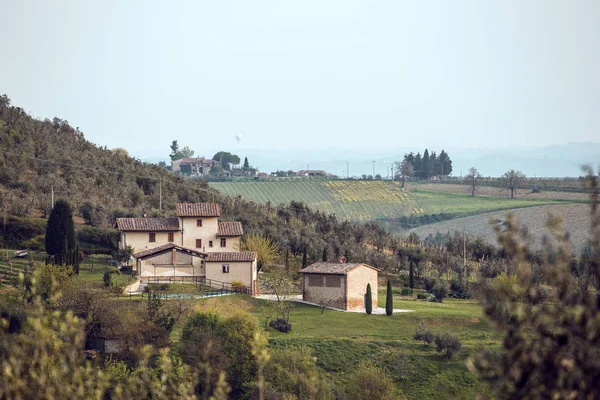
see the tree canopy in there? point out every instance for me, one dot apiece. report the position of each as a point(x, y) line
point(226, 159)
point(177, 153)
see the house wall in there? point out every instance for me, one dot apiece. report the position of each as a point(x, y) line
point(238, 271)
point(326, 293)
point(207, 232)
point(140, 240)
point(358, 278)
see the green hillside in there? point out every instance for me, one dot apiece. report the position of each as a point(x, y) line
point(369, 200)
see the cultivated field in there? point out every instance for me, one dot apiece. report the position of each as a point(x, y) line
point(576, 219)
point(369, 200)
point(496, 191)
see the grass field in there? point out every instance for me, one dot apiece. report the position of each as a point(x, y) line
point(369, 200)
point(340, 340)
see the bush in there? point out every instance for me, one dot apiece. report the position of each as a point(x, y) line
point(447, 343)
point(107, 278)
point(35, 243)
point(424, 334)
point(237, 286)
point(459, 289)
point(439, 290)
point(281, 325)
point(426, 296)
point(370, 382)
point(407, 292)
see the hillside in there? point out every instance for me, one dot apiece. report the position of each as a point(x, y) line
point(575, 217)
point(375, 200)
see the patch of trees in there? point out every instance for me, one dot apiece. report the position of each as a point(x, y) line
point(423, 166)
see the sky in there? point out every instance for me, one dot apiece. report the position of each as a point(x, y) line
point(307, 74)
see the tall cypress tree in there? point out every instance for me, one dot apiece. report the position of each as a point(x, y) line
point(369, 300)
point(425, 168)
point(246, 164)
point(60, 231)
point(389, 299)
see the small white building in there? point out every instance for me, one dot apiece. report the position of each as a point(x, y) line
point(339, 285)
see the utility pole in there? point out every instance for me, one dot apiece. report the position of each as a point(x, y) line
point(464, 252)
point(52, 196)
point(348, 169)
point(160, 194)
point(392, 171)
point(373, 169)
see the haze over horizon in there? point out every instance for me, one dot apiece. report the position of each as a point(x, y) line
point(340, 74)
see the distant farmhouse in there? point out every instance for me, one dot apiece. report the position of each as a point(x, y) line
point(199, 166)
point(317, 173)
point(195, 246)
point(339, 285)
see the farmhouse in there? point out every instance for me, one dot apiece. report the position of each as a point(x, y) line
point(339, 285)
point(195, 227)
point(194, 246)
point(319, 173)
point(198, 166)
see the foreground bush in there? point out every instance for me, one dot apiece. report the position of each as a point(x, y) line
point(281, 325)
point(424, 334)
point(447, 343)
point(370, 382)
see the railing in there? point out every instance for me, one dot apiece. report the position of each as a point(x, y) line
point(225, 286)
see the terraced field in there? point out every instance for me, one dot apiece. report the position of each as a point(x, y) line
point(369, 200)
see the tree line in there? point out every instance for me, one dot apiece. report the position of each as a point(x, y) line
point(423, 166)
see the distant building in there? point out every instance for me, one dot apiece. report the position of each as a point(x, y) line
point(339, 285)
point(318, 173)
point(199, 166)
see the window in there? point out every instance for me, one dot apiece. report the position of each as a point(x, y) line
point(225, 268)
point(171, 237)
point(315, 281)
point(210, 243)
point(333, 281)
point(152, 237)
point(198, 243)
point(223, 242)
point(198, 222)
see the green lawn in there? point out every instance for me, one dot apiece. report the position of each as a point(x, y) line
point(339, 340)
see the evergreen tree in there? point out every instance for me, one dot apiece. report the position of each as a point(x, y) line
point(445, 164)
point(425, 168)
point(389, 299)
point(324, 253)
point(433, 165)
point(369, 300)
point(60, 231)
point(246, 164)
point(305, 257)
point(418, 164)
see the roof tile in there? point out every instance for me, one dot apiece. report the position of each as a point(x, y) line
point(148, 224)
point(232, 256)
point(230, 229)
point(198, 210)
point(332, 268)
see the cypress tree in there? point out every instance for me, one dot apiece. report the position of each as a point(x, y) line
point(369, 300)
point(305, 257)
point(411, 276)
point(425, 170)
point(246, 164)
point(389, 299)
point(324, 253)
point(60, 231)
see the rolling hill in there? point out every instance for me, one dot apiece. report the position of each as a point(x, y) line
point(356, 200)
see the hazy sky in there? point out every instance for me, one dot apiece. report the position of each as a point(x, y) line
point(307, 74)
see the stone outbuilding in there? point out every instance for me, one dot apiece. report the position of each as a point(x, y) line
point(339, 285)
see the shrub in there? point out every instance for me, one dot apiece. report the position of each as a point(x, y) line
point(107, 278)
point(370, 382)
point(424, 334)
point(281, 325)
point(237, 286)
point(440, 290)
point(406, 292)
point(459, 289)
point(35, 243)
point(447, 343)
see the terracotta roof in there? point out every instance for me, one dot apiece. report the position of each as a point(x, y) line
point(148, 224)
point(332, 268)
point(230, 229)
point(231, 256)
point(166, 247)
point(198, 210)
